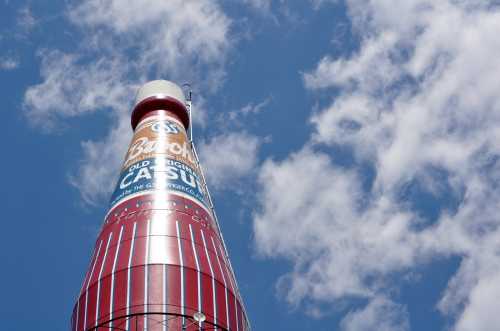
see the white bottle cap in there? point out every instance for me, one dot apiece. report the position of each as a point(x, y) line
point(160, 88)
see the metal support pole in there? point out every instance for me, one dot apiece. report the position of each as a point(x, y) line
point(189, 105)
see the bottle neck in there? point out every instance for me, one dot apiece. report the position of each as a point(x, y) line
point(160, 114)
point(148, 106)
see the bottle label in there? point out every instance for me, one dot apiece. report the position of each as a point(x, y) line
point(160, 159)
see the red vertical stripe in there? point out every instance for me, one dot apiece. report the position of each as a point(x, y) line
point(105, 287)
point(92, 291)
point(207, 298)
point(232, 311)
point(81, 313)
point(221, 304)
point(137, 289)
point(104, 296)
point(209, 283)
point(155, 292)
point(191, 298)
point(139, 251)
point(91, 306)
point(120, 293)
point(225, 268)
point(173, 289)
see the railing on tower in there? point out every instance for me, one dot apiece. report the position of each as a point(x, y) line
point(189, 105)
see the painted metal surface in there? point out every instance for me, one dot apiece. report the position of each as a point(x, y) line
point(159, 258)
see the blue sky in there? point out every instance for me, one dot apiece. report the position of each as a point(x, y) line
point(351, 148)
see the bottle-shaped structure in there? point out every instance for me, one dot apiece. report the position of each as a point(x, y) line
point(160, 262)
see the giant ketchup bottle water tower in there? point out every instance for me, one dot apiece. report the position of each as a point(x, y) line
point(160, 262)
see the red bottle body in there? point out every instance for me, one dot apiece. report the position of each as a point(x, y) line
point(159, 258)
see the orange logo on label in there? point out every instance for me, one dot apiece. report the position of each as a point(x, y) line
point(160, 136)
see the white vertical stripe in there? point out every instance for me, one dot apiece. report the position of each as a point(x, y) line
point(213, 277)
point(146, 275)
point(129, 274)
point(182, 271)
point(165, 308)
point(197, 269)
point(111, 296)
point(226, 266)
point(92, 262)
point(232, 279)
point(225, 284)
point(159, 237)
point(99, 279)
point(88, 285)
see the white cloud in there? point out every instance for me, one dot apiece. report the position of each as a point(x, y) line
point(317, 215)
point(240, 117)
point(175, 37)
point(8, 63)
point(25, 19)
point(380, 314)
point(70, 88)
point(124, 44)
point(262, 5)
point(481, 313)
point(418, 103)
point(229, 157)
point(100, 163)
point(250, 109)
